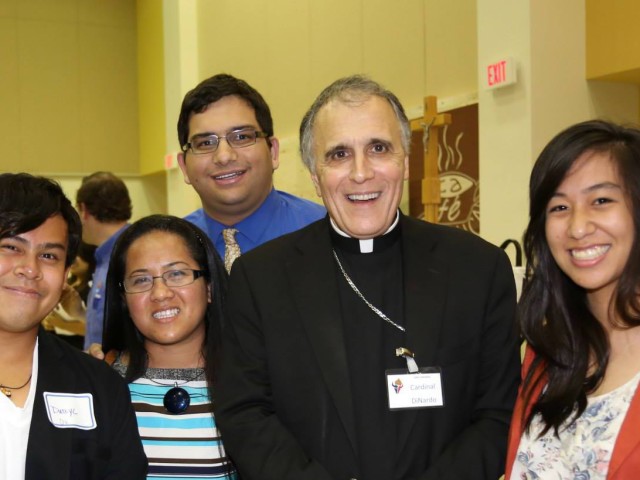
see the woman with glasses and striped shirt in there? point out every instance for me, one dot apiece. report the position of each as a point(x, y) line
point(163, 316)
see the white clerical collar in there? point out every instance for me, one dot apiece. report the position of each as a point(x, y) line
point(366, 245)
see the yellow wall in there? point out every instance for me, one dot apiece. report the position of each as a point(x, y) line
point(546, 38)
point(504, 120)
point(290, 50)
point(75, 73)
point(181, 74)
point(68, 92)
point(151, 85)
point(613, 40)
point(451, 49)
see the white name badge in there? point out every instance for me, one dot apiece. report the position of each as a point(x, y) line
point(414, 390)
point(70, 410)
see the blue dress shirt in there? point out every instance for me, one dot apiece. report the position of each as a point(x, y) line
point(280, 213)
point(95, 299)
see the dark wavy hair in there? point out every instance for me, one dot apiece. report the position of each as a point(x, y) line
point(120, 333)
point(106, 197)
point(555, 315)
point(215, 88)
point(26, 202)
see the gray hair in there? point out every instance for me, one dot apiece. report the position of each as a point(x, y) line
point(350, 90)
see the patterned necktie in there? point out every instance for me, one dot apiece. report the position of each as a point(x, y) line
point(232, 249)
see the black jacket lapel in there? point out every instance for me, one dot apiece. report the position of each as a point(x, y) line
point(319, 309)
point(425, 280)
point(49, 447)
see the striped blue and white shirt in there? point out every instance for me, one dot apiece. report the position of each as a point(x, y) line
point(184, 446)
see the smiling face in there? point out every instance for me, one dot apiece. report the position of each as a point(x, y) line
point(231, 182)
point(166, 316)
point(32, 275)
point(360, 165)
point(589, 225)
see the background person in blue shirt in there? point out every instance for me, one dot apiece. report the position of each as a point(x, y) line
point(229, 155)
point(104, 206)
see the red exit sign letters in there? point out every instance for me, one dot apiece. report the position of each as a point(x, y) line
point(500, 74)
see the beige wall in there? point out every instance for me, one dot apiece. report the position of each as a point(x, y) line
point(151, 81)
point(451, 54)
point(69, 79)
point(613, 40)
point(180, 26)
point(289, 50)
point(504, 120)
point(547, 40)
point(68, 93)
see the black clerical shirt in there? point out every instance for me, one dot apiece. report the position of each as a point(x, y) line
point(371, 343)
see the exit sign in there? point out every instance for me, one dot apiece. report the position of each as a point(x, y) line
point(500, 74)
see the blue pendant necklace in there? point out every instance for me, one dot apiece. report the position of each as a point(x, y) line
point(177, 400)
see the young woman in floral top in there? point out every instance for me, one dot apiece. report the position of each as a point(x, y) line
point(578, 412)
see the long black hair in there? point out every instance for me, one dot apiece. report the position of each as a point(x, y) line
point(120, 333)
point(555, 316)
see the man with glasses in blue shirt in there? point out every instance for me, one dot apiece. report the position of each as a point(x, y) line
point(229, 154)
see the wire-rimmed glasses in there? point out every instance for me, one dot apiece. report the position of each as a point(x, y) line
point(171, 278)
point(204, 143)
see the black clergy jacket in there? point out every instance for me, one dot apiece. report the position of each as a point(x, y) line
point(284, 402)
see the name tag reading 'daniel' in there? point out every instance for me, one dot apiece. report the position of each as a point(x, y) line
point(70, 410)
point(414, 390)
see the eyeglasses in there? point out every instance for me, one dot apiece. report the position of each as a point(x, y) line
point(208, 142)
point(171, 278)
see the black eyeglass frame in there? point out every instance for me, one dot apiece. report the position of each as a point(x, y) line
point(189, 145)
point(196, 275)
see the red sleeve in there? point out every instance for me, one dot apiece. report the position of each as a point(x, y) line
point(517, 427)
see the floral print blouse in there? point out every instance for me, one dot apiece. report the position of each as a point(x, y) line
point(584, 447)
